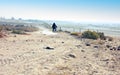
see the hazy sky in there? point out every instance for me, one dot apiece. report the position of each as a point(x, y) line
point(70, 10)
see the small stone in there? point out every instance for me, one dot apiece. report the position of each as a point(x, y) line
point(111, 49)
point(95, 46)
point(108, 46)
point(82, 51)
point(114, 48)
point(15, 36)
point(118, 48)
point(41, 40)
point(71, 55)
point(49, 48)
point(78, 46)
point(106, 60)
point(87, 44)
point(105, 49)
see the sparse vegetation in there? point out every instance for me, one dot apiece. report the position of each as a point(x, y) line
point(18, 32)
point(67, 31)
point(1, 33)
point(102, 36)
point(95, 35)
point(18, 29)
point(90, 35)
point(25, 28)
point(76, 33)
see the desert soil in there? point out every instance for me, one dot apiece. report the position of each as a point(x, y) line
point(28, 55)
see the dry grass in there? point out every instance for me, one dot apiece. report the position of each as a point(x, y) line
point(76, 33)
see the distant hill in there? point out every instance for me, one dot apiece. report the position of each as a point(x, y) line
point(29, 22)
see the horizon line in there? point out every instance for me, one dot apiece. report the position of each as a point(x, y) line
point(73, 21)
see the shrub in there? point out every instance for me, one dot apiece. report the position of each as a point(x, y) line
point(19, 27)
point(75, 33)
point(90, 35)
point(26, 28)
point(67, 31)
point(18, 32)
point(102, 36)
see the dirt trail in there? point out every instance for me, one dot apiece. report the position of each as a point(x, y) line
point(27, 55)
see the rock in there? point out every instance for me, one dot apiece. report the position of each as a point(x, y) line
point(105, 60)
point(87, 44)
point(96, 47)
point(71, 55)
point(111, 48)
point(118, 48)
point(105, 49)
point(78, 46)
point(26, 40)
point(114, 48)
point(108, 46)
point(49, 48)
point(82, 51)
point(15, 36)
point(41, 40)
point(62, 42)
point(110, 38)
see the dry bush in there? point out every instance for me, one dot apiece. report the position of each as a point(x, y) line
point(102, 36)
point(18, 32)
point(18, 27)
point(76, 33)
point(67, 31)
point(90, 35)
point(25, 28)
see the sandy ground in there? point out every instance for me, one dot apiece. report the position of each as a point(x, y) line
point(27, 55)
